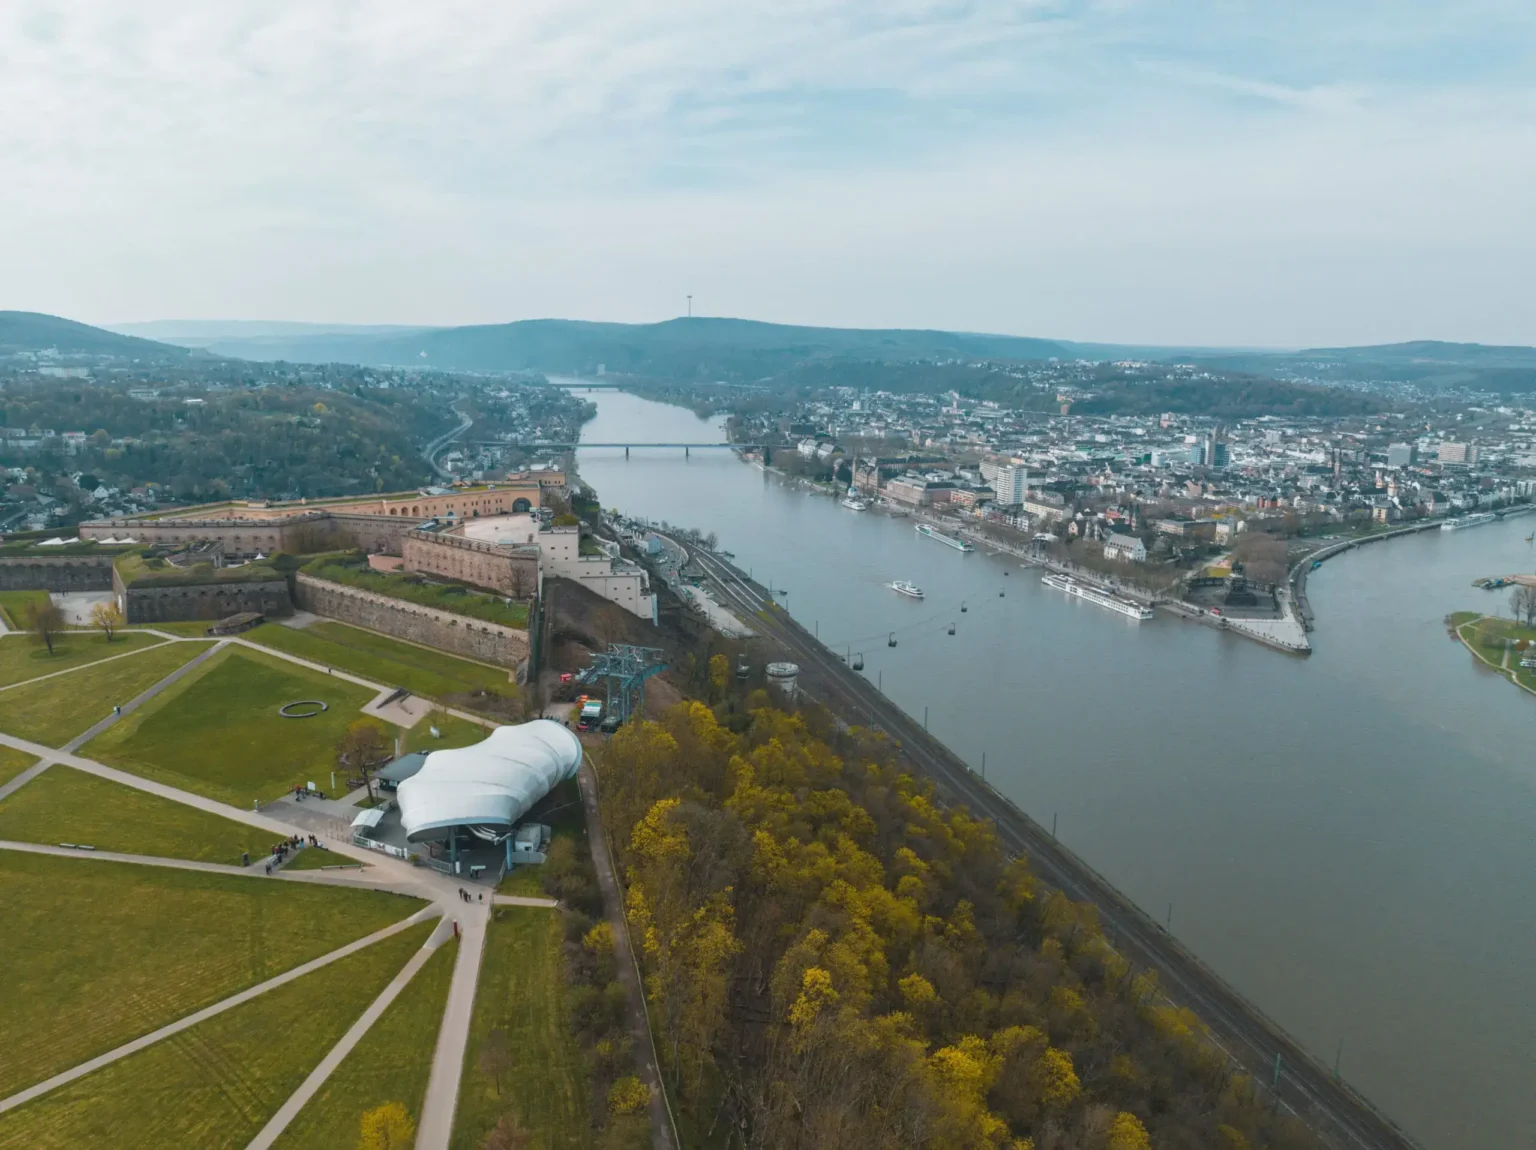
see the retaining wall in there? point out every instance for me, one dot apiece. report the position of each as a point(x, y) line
point(204, 601)
point(46, 573)
point(443, 630)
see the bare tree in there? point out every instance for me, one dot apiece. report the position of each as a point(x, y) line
point(1522, 604)
point(519, 581)
point(108, 617)
point(45, 621)
point(363, 748)
point(495, 1058)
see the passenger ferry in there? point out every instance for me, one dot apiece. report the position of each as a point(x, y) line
point(911, 590)
point(853, 502)
point(950, 540)
point(1097, 596)
point(1468, 521)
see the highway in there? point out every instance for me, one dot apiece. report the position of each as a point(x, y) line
point(1340, 1116)
point(430, 451)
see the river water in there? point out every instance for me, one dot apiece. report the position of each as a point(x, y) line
point(1349, 839)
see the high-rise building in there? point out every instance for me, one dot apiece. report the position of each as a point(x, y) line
point(1400, 455)
point(1011, 485)
point(1462, 453)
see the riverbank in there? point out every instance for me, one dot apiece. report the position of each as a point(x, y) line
point(1493, 640)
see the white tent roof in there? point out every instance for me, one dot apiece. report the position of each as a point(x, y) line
point(492, 783)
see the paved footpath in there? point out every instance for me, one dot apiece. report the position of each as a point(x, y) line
point(134, 704)
point(80, 667)
point(437, 1109)
point(115, 856)
point(296, 1102)
point(24, 778)
point(154, 1036)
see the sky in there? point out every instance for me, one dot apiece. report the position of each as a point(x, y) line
point(1305, 173)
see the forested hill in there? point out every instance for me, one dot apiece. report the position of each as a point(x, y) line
point(28, 331)
point(729, 349)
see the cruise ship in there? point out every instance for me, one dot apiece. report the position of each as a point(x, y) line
point(1097, 596)
point(910, 590)
point(950, 540)
point(1468, 521)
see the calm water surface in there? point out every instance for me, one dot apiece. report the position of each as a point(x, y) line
point(1350, 839)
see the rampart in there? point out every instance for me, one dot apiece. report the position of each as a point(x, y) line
point(210, 601)
point(511, 571)
point(56, 573)
point(442, 630)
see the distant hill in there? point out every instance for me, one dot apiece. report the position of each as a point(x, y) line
point(1426, 363)
point(204, 332)
point(29, 331)
point(698, 348)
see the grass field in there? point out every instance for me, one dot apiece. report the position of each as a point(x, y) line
point(523, 992)
point(219, 733)
point(386, 661)
point(1487, 638)
point(15, 604)
point(66, 805)
point(94, 953)
point(216, 1084)
point(12, 763)
point(390, 1064)
point(455, 732)
point(314, 858)
point(54, 711)
point(22, 658)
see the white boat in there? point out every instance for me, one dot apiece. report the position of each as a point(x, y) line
point(1468, 521)
point(853, 502)
point(950, 540)
point(911, 590)
point(1097, 596)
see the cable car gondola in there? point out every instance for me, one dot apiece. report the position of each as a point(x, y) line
point(891, 640)
point(858, 661)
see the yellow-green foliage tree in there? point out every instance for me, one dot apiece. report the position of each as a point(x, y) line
point(835, 959)
point(386, 1127)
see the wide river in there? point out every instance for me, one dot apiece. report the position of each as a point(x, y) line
point(1350, 838)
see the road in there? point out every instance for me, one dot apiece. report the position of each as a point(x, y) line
point(429, 452)
point(1328, 1105)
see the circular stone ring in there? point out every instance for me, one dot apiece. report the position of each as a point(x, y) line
point(293, 711)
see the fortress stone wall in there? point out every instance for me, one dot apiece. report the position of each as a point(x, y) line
point(443, 630)
point(61, 573)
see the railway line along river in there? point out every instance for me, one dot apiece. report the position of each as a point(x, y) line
point(1349, 839)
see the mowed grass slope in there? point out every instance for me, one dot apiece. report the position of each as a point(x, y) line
point(94, 953)
point(218, 732)
point(390, 1064)
point(216, 1084)
point(385, 661)
point(14, 606)
point(65, 805)
point(522, 991)
point(12, 763)
point(56, 710)
point(452, 732)
point(22, 657)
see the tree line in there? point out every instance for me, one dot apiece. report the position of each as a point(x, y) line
point(835, 960)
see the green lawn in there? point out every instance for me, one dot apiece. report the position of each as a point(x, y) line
point(95, 953)
point(386, 661)
point(15, 604)
point(219, 733)
point(12, 763)
point(65, 805)
point(454, 732)
point(216, 1084)
point(54, 711)
point(22, 658)
point(390, 1064)
point(522, 991)
point(314, 858)
point(452, 597)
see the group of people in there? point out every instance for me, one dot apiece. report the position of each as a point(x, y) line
point(291, 843)
point(464, 895)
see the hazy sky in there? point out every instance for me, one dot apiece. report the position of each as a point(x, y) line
point(1285, 172)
